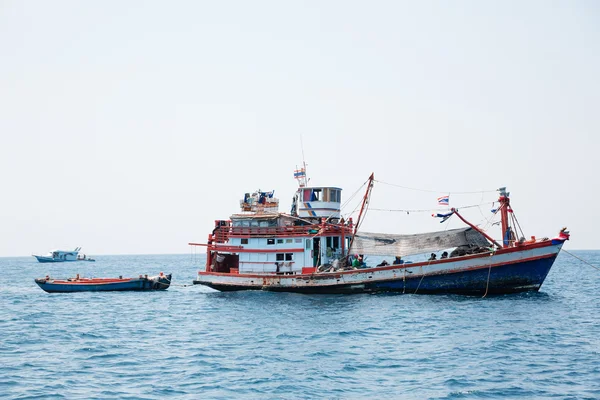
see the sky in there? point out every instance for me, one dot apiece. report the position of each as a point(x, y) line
point(130, 127)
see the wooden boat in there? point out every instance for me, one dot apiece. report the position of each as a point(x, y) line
point(78, 284)
point(313, 250)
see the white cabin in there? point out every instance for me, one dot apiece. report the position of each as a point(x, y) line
point(319, 202)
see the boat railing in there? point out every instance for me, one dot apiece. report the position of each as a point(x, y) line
point(287, 230)
point(222, 233)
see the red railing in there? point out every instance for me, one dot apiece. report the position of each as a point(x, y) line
point(222, 233)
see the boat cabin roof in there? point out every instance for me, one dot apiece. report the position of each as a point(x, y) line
point(319, 187)
point(257, 216)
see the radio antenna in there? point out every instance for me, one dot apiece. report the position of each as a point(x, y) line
point(300, 174)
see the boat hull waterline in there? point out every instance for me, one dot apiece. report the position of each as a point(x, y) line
point(44, 259)
point(161, 282)
point(512, 270)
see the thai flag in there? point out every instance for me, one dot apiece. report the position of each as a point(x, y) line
point(444, 200)
point(299, 173)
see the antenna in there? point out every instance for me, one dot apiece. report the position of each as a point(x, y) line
point(303, 161)
point(300, 174)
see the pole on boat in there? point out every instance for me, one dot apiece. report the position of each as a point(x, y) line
point(455, 211)
point(504, 208)
point(365, 202)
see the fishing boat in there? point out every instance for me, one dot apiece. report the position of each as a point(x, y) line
point(55, 256)
point(313, 249)
point(80, 284)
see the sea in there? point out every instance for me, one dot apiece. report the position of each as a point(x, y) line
point(191, 342)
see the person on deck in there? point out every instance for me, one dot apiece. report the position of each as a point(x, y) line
point(433, 257)
point(356, 262)
point(444, 255)
point(398, 261)
point(361, 258)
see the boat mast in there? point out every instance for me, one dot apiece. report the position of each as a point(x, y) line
point(504, 210)
point(362, 209)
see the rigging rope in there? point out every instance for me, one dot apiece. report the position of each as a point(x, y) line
point(428, 264)
point(345, 204)
point(354, 194)
point(435, 191)
point(487, 285)
point(430, 209)
point(580, 259)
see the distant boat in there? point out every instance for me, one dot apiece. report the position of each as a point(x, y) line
point(63, 256)
point(78, 284)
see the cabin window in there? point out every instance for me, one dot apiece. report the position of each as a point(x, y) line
point(336, 242)
point(279, 241)
point(289, 240)
point(264, 224)
point(316, 195)
point(280, 256)
point(334, 195)
point(245, 223)
point(325, 194)
point(270, 241)
point(328, 242)
point(244, 241)
point(298, 240)
point(289, 256)
point(308, 241)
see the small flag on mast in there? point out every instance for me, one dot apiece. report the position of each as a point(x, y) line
point(444, 200)
point(300, 173)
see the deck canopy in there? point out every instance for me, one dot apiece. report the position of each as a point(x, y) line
point(385, 244)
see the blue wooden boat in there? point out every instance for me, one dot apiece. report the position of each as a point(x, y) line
point(78, 284)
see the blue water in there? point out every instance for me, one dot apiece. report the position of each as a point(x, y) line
point(191, 342)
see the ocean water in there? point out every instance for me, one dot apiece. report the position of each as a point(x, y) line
point(190, 342)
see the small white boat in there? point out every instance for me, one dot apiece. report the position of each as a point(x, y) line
point(62, 256)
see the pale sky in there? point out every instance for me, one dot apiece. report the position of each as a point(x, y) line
point(128, 127)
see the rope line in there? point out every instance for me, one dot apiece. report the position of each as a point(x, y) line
point(422, 276)
point(487, 285)
point(580, 259)
point(353, 194)
point(432, 209)
point(428, 264)
point(435, 191)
